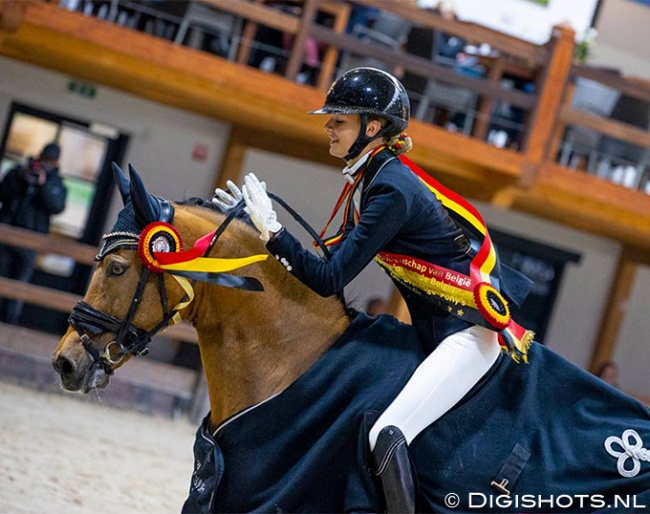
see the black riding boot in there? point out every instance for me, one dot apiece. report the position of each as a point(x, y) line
point(393, 467)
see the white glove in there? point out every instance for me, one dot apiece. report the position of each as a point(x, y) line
point(227, 199)
point(260, 207)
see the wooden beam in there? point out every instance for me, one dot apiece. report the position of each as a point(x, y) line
point(631, 86)
point(422, 67)
point(470, 32)
point(184, 78)
point(161, 71)
point(23, 238)
point(615, 311)
point(12, 14)
point(259, 13)
point(605, 126)
point(588, 203)
point(51, 298)
point(62, 301)
point(341, 12)
point(560, 124)
point(233, 159)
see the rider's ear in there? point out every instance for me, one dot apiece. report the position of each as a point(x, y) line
point(372, 128)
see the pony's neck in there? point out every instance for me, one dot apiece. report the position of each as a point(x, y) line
point(254, 344)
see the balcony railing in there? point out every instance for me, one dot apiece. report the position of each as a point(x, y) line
point(499, 89)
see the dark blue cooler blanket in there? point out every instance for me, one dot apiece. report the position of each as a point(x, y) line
point(552, 420)
point(304, 450)
point(527, 438)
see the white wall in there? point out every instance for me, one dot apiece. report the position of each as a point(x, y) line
point(633, 350)
point(524, 19)
point(162, 140)
point(623, 38)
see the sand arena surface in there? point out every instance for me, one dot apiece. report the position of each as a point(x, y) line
point(62, 455)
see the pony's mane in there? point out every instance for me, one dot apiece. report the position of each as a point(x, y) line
point(243, 216)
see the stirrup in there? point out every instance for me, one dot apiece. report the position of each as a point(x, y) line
point(393, 467)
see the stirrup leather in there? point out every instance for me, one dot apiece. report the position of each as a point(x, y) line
point(393, 467)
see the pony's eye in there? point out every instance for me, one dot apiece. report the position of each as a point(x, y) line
point(116, 269)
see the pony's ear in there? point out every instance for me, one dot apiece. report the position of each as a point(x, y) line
point(122, 183)
point(147, 208)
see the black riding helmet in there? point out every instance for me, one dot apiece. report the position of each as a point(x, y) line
point(368, 91)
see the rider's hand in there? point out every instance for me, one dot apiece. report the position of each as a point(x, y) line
point(260, 207)
point(226, 200)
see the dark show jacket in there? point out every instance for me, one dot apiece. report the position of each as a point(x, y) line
point(398, 214)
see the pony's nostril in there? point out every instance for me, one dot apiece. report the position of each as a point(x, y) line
point(63, 365)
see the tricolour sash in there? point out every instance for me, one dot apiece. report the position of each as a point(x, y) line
point(474, 297)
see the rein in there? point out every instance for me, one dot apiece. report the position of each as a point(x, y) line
point(303, 223)
point(131, 340)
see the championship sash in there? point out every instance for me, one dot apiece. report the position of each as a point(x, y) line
point(474, 297)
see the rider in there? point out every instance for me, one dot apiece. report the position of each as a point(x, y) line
point(393, 217)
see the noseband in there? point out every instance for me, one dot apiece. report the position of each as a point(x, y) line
point(129, 339)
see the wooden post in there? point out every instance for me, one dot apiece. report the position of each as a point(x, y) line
point(551, 90)
point(341, 16)
point(560, 124)
point(233, 159)
point(614, 315)
point(298, 50)
point(12, 14)
point(247, 37)
point(487, 102)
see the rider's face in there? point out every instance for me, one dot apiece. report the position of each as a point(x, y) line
point(342, 130)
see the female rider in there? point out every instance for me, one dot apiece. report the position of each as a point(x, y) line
point(393, 217)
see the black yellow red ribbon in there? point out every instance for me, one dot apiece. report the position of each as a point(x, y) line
point(484, 268)
point(159, 248)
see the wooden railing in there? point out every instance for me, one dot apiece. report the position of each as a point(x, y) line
point(511, 56)
point(544, 107)
point(597, 121)
point(56, 300)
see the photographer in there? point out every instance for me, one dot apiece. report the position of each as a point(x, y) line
point(29, 194)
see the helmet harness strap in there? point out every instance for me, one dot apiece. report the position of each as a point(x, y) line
point(363, 139)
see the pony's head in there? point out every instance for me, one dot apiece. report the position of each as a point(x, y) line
point(156, 265)
point(134, 292)
point(116, 317)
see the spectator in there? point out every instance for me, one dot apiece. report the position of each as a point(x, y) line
point(361, 15)
point(608, 371)
point(30, 194)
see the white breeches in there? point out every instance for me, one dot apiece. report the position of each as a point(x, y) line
point(444, 377)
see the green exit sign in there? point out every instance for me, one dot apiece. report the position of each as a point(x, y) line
point(82, 88)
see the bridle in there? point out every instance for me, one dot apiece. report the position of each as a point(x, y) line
point(131, 340)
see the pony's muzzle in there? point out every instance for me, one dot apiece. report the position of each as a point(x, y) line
point(63, 366)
